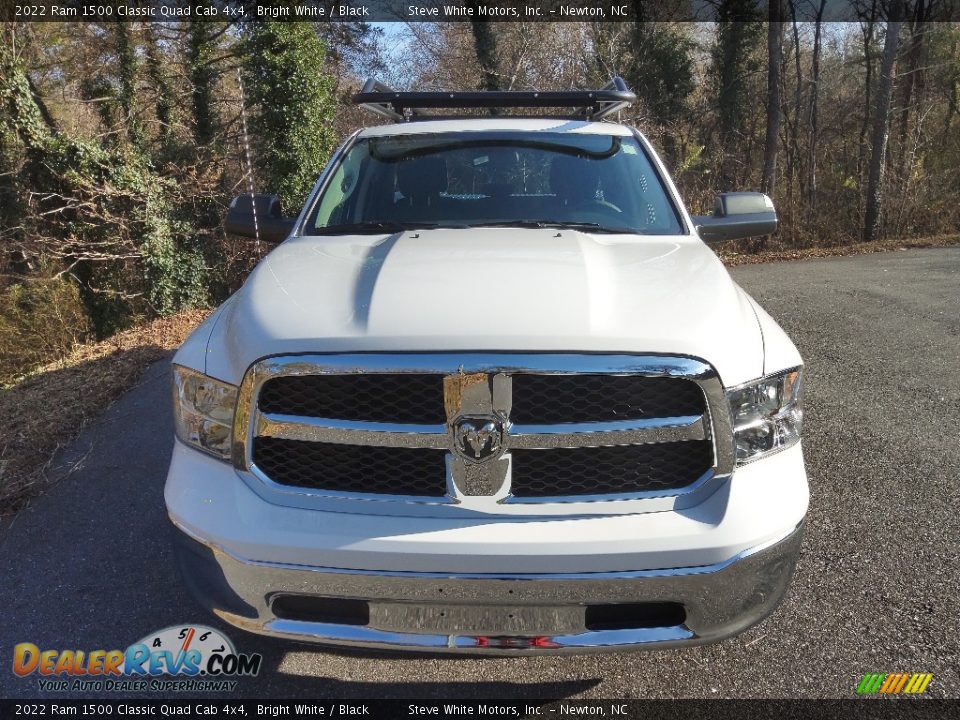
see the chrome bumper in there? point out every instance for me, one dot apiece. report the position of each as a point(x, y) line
point(493, 614)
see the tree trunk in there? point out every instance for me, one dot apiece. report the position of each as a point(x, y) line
point(881, 122)
point(127, 71)
point(728, 98)
point(161, 83)
point(485, 43)
point(199, 59)
point(739, 33)
point(953, 98)
point(913, 85)
point(774, 50)
point(48, 119)
point(813, 117)
point(871, 21)
point(793, 119)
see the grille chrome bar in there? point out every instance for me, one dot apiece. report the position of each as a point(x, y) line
point(351, 432)
point(436, 437)
point(602, 434)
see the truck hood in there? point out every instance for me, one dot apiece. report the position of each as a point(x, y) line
point(497, 289)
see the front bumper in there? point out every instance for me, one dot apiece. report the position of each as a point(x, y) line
point(494, 614)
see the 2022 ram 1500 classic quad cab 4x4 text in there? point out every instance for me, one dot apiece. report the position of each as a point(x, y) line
point(492, 393)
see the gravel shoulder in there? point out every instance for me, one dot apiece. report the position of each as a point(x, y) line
point(88, 565)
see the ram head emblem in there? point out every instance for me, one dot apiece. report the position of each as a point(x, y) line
point(477, 439)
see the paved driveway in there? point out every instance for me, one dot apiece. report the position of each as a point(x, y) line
point(89, 565)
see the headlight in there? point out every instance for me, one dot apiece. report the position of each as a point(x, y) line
point(203, 411)
point(767, 415)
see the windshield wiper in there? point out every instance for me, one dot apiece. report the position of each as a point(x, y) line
point(585, 226)
point(362, 228)
point(391, 226)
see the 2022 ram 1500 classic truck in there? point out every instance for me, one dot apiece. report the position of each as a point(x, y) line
point(492, 393)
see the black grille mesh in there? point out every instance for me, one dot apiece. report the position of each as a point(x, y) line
point(537, 399)
point(551, 399)
point(352, 468)
point(605, 470)
point(389, 398)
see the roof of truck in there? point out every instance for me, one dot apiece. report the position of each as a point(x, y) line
point(556, 125)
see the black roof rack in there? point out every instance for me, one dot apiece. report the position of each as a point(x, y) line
point(402, 106)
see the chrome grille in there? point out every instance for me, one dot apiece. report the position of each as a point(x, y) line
point(638, 431)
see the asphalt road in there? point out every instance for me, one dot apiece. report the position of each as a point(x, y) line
point(89, 565)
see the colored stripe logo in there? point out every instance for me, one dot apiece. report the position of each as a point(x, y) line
point(894, 683)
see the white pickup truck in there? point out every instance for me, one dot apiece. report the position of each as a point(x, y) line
point(492, 393)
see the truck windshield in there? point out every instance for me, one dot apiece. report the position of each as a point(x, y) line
point(599, 183)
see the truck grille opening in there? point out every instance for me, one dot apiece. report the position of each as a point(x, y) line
point(629, 616)
point(312, 608)
point(554, 399)
point(352, 468)
point(537, 399)
point(373, 397)
point(606, 470)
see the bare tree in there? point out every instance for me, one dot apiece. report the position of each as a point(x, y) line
point(913, 79)
point(792, 118)
point(161, 81)
point(486, 44)
point(738, 34)
point(774, 57)
point(813, 115)
point(127, 73)
point(200, 52)
point(881, 123)
point(868, 14)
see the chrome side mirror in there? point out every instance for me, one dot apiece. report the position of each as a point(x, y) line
point(737, 215)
